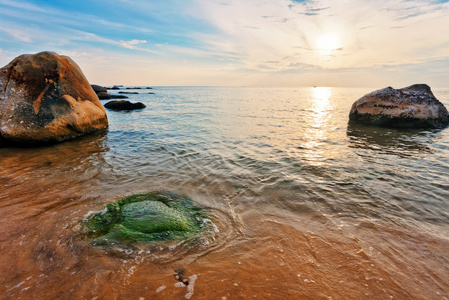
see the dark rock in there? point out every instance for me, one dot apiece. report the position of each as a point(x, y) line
point(44, 98)
point(419, 87)
point(104, 96)
point(149, 88)
point(102, 92)
point(151, 93)
point(119, 97)
point(124, 105)
point(97, 88)
point(131, 93)
point(115, 87)
point(414, 106)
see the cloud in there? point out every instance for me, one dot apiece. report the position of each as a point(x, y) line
point(17, 32)
point(4, 53)
point(252, 38)
point(49, 15)
point(418, 25)
point(132, 43)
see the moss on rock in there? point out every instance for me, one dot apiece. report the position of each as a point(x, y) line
point(154, 216)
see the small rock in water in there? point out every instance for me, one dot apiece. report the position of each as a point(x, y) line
point(131, 93)
point(124, 105)
point(119, 97)
point(179, 275)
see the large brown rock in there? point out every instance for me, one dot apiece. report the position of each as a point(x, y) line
point(414, 106)
point(45, 97)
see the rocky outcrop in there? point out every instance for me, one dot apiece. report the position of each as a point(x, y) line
point(414, 106)
point(104, 96)
point(45, 97)
point(99, 89)
point(124, 105)
point(101, 92)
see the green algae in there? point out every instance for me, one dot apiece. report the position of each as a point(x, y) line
point(154, 216)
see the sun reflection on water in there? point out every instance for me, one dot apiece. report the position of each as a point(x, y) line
point(317, 133)
point(321, 96)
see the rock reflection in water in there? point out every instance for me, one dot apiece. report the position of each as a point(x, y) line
point(400, 142)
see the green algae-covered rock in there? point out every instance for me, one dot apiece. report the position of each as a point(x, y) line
point(155, 216)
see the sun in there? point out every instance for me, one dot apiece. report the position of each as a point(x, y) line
point(328, 42)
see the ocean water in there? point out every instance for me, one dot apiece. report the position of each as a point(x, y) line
point(306, 205)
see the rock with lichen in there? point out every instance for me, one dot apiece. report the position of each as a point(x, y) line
point(154, 216)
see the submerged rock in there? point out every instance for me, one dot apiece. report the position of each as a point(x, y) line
point(44, 98)
point(414, 106)
point(124, 105)
point(119, 97)
point(155, 216)
point(131, 93)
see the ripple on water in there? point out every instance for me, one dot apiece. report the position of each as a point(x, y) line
point(277, 169)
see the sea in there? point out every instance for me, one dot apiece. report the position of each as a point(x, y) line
point(305, 204)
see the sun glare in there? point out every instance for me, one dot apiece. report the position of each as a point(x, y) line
point(328, 42)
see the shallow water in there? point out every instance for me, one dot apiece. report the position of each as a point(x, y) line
point(306, 205)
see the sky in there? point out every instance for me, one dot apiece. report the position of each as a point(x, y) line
point(280, 43)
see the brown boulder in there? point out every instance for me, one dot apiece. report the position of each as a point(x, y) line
point(45, 97)
point(414, 106)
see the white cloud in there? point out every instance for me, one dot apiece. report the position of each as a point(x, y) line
point(18, 33)
point(275, 35)
point(132, 43)
point(255, 41)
